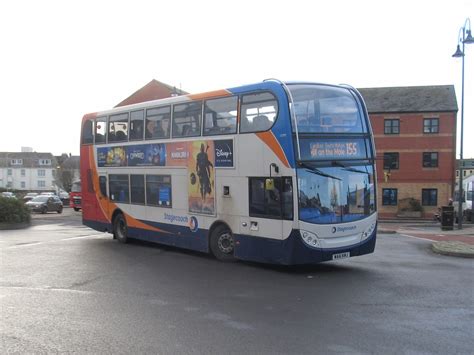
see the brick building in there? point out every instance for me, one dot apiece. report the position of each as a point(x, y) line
point(154, 90)
point(415, 138)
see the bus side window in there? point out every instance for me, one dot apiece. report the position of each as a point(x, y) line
point(187, 120)
point(118, 127)
point(220, 116)
point(136, 125)
point(100, 130)
point(271, 197)
point(258, 112)
point(103, 185)
point(88, 132)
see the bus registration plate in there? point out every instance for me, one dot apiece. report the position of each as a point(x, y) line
point(341, 256)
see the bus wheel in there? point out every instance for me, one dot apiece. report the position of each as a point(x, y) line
point(222, 243)
point(120, 228)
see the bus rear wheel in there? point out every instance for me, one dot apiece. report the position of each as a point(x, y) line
point(120, 228)
point(222, 243)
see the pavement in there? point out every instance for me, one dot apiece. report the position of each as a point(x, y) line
point(455, 242)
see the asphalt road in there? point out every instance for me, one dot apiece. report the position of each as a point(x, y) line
point(66, 288)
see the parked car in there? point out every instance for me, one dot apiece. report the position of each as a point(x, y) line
point(29, 196)
point(8, 195)
point(45, 204)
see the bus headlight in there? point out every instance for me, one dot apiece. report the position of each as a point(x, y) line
point(310, 239)
point(368, 232)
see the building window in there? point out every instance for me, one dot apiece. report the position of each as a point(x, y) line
point(17, 162)
point(390, 161)
point(44, 162)
point(392, 126)
point(41, 183)
point(430, 160)
point(23, 172)
point(23, 184)
point(431, 125)
point(9, 172)
point(389, 197)
point(41, 172)
point(429, 197)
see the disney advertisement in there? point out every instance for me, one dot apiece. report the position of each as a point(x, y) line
point(109, 156)
point(166, 154)
point(201, 177)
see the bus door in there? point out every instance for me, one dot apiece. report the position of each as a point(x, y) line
point(270, 208)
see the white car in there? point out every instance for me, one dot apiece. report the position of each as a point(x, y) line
point(8, 195)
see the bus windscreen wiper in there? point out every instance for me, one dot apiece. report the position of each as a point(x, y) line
point(316, 171)
point(336, 163)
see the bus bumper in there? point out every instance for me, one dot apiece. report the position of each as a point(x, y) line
point(293, 251)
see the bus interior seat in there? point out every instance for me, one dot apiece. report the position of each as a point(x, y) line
point(120, 136)
point(261, 123)
point(186, 130)
point(99, 138)
point(245, 125)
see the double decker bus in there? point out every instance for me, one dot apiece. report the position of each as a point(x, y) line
point(271, 172)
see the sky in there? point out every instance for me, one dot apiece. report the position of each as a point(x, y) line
point(62, 59)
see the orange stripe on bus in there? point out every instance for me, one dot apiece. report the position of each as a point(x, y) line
point(269, 139)
point(210, 94)
point(135, 223)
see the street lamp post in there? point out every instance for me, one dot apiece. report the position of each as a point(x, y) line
point(466, 38)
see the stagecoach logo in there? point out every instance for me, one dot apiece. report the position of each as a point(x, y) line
point(173, 218)
point(342, 229)
point(193, 224)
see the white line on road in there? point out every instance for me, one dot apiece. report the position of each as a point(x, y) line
point(97, 236)
point(46, 288)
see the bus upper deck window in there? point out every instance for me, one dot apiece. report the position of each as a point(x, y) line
point(100, 130)
point(87, 132)
point(259, 112)
point(118, 128)
point(136, 125)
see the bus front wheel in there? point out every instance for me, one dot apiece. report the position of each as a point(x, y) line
point(222, 243)
point(120, 228)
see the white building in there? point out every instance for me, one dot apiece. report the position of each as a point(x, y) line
point(28, 171)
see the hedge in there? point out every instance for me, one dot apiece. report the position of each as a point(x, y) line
point(13, 211)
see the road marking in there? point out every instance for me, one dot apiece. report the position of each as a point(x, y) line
point(47, 288)
point(418, 238)
point(25, 245)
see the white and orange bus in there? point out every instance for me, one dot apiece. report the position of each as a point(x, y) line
point(271, 172)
